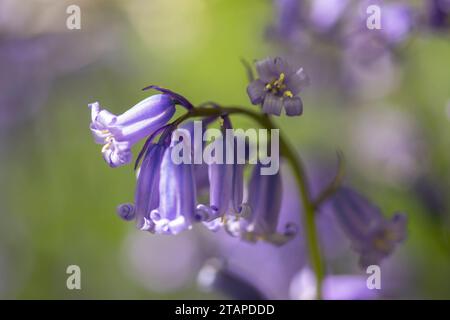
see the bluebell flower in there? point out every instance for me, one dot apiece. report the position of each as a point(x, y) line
point(119, 133)
point(439, 13)
point(372, 236)
point(177, 196)
point(147, 186)
point(278, 86)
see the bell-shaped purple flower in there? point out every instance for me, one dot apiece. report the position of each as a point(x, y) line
point(439, 13)
point(120, 133)
point(397, 22)
point(325, 14)
point(177, 196)
point(372, 236)
point(278, 86)
point(260, 221)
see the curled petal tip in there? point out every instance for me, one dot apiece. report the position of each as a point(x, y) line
point(126, 211)
point(178, 98)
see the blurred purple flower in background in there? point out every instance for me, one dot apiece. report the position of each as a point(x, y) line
point(120, 133)
point(371, 235)
point(215, 275)
point(335, 287)
point(350, 53)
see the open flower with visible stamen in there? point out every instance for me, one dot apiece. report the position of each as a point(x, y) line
point(119, 133)
point(372, 236)
point(278, 86)
point(439, 14)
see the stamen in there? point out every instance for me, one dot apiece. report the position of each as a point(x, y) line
point(288, 94)
point(108, 142)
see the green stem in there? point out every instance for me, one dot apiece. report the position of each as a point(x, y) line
point(299, 173)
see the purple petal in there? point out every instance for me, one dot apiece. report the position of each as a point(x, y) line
point(293, 106)
point(272, 105)
point(126, 211)
point(177, 195)
point(326, 13)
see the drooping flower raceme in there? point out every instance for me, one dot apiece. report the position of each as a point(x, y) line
point(119, 133)
point(278, 86)
point(372, 236)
